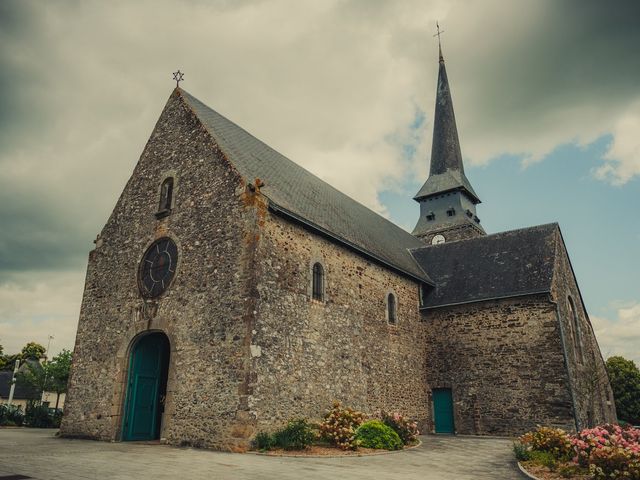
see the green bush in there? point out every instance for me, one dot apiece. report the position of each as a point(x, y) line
point(546, 459)
point(375, 434)
point(297, 435)
point(521, 452)
point(37, 415)
point(263, 441)
point(11, 415)
point(571, 470)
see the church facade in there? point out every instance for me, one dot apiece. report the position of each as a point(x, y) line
point(231, 290)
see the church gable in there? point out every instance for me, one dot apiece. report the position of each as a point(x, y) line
point(202, 310)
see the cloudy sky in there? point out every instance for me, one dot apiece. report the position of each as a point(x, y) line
point(547, 98)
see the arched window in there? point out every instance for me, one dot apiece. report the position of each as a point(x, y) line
point(577, 334)
point(166, 195)
point(317, 287)
point(391, 308)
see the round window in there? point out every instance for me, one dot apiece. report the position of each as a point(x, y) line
point(158, 267)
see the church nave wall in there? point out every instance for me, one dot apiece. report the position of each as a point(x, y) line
point(503, 361)
point(307, 353)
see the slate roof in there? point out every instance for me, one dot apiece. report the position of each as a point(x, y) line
point(447, 170)
point(299, 194)
point(445, 182)
point(506, 264)
point(22, 391)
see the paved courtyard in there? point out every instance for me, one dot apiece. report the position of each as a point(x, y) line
point(38, 454)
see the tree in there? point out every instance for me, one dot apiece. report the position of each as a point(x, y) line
point(59, 369)
point(625, 383)
point(34, 374)
point(51, 376)
point(33, 350)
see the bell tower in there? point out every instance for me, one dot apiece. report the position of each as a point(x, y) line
point(447, 199)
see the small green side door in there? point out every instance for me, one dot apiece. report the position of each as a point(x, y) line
point(143, 393)
point(443, 410)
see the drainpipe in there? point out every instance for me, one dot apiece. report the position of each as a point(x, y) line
point(566, 366)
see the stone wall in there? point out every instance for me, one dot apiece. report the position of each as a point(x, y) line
point(592, 393)
point(307, 353)
point(503, 361)
point(205, 312)
point(453, 233)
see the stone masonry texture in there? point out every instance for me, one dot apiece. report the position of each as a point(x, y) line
point(588, 378)
point(251, 349)
point(312, 353)
point(503, 361)
point(205, 313)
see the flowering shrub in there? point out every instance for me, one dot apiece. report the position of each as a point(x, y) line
point(552, 440)
point(339, 426)
point(610, 451)
point(614, 462)
point(607, 451)
point(592, 439)
point(406, 429)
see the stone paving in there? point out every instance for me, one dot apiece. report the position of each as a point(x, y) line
point(40, 455)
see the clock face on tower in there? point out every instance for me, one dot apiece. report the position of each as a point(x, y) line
point(158, 267)
point(437, 239)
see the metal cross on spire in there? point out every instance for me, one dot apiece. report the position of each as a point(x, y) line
point(440, 32)
point(178, 77)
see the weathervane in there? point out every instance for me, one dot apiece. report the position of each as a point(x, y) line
point(178, 77)
point(440, 32)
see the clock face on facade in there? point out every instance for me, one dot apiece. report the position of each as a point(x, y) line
point(158, 267)
point(437, 239)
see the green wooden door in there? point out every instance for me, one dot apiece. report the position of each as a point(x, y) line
point(147, 382)
point(443, 410)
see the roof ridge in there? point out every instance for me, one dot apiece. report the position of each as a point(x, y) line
point(294, 189)
point(491, 236)
point(295, 163)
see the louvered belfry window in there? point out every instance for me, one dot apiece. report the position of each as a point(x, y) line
point(318, 282)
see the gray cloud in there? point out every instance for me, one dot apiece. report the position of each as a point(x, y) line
point(335, 85)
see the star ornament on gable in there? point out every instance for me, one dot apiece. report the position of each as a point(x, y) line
point(178, 77)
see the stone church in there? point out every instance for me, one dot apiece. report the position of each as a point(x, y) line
point(231, 290)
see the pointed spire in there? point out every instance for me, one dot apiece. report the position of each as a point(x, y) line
point(445, 148)
point(447, 170)
point(447, 200)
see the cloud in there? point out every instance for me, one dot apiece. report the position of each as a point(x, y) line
point(623, 155)
point(336, 85)
point(620, 335)
point(35, 305)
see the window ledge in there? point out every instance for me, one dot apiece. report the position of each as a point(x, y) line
point(163, 213)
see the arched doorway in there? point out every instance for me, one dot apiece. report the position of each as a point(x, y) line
point(146, 387)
